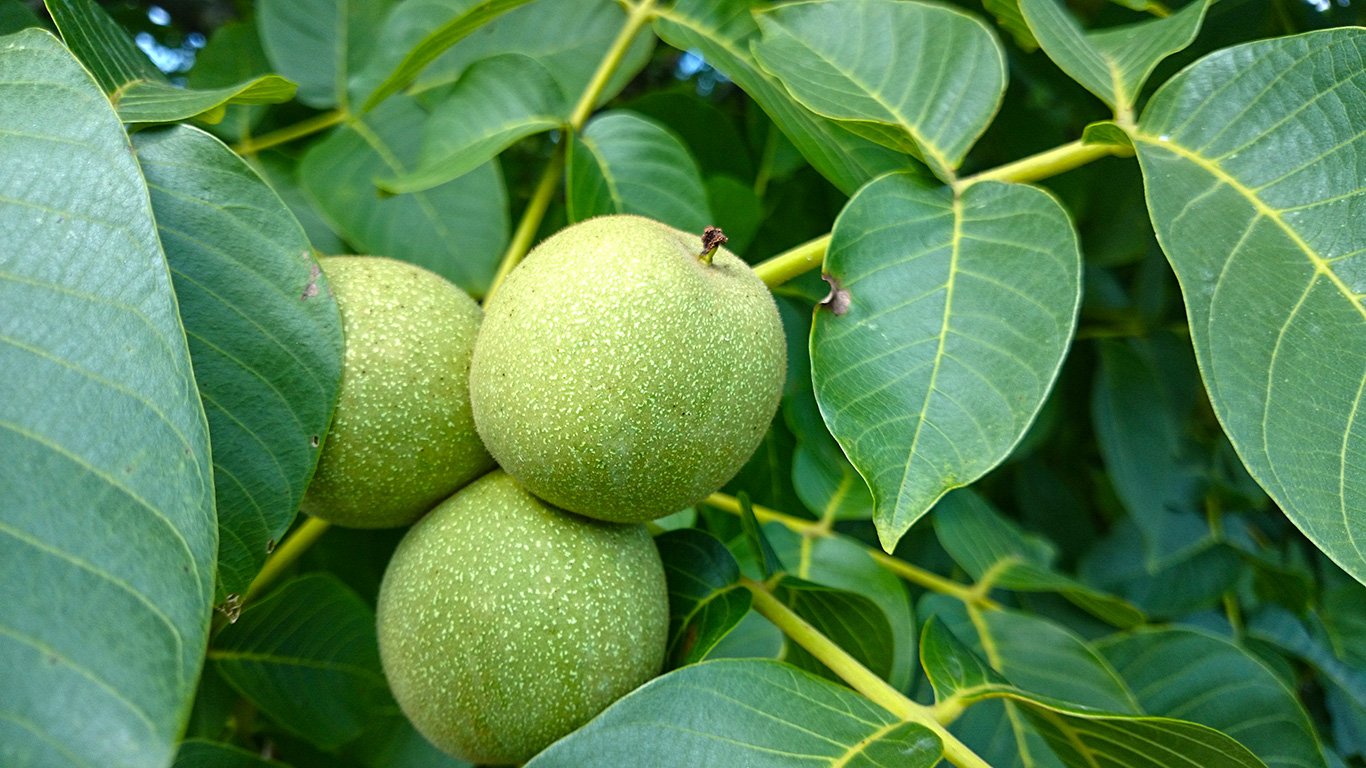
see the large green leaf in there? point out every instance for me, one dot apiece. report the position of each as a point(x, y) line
point(102, 45)
point(497, 102)
point(1250, 162)
point(960, 310)
point(626, 163)
point(457, 230)
point(752, 713)
point(843, 563)
point(164, 103)
point(706, 600)
point(982, 541)
point(722, 31)
point(919, 78)
point(568, 37)
point(263, 329)
point(1111, 63)
point(107, 534)
point(1081, 737)
point(1282, 629)
point(435, 43)
point(307, 656)
point(319, 44)
point(1199, 677)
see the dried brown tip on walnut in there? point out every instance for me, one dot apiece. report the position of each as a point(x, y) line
point(712, 238)
point(837, 301)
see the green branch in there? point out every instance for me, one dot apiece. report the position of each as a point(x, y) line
point(291, 132)
point(295, 544)
point(637, 16)
point(788, 264)
point(859, 677)
point(930, 580)
point(1045, 164)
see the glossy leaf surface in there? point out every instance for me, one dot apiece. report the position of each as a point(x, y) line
point(626, 163)
point(961, 309)
point(760, 714)
point(723, 30)
point(1249, 161)
point(922, 79)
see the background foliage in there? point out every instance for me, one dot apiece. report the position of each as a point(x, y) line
point(1146, 369)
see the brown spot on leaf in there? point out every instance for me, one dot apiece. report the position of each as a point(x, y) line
point(837, 301)
point(311, 289)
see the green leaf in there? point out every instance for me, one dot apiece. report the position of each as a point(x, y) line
point(736, 209)
point(1009, 18)
point(456, 230)
point(961, 309)
point(1248, 157)
point(233, 55)
point(1111, 63)
point(392, 742)
point(706, 600)
point(102, 45)
point(1082, 738)
point(307, 656)
point(497, 102)
point(1038, 655)
point(1280, 628)
point(853, 621)
point(626, 163)
point(1199, 677)
point(319, 44)
point(264, 334)
point(757, 541)
point(759, 714)
point(722, 31)
point(918, 78)
point(983, 541)
point(201, 753)
point(568, 37)
point(436, 43)
point(843, 563)
point(14, 16)
point(1139, 430)
point(144, 102)
point(1173, 588)
point(107, 534)
point(281, 173)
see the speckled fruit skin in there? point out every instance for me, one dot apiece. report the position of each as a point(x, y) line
point(505, 623)
point(619, 376)
point(402, 437)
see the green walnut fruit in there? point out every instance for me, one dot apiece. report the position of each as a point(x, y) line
point(505, 623)
point(402, 437)
point(625, 371)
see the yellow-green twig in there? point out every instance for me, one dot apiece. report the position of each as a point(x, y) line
point(291, 132)
point(788, 264)
point(859, 677)
point(294, 545)
point(1045, 164)
point(637, 16)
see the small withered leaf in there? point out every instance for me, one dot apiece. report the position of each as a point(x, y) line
point(837, 301)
